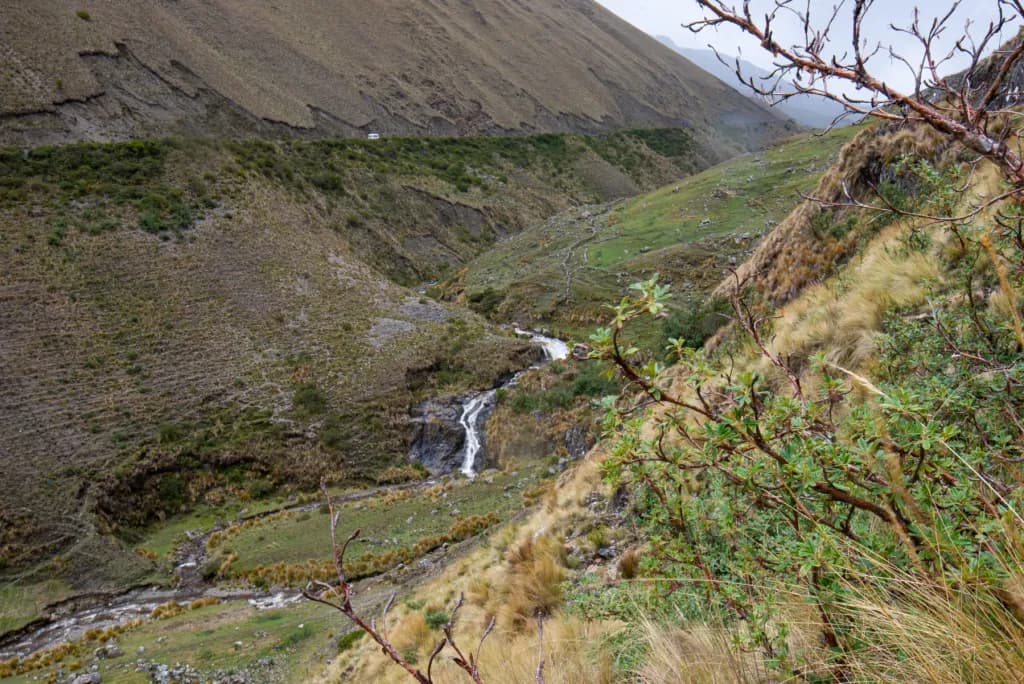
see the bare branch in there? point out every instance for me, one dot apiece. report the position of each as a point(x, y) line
point(539, 678)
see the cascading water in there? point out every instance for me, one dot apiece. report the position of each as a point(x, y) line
point(471, 423)
point(477, 407)
point(554, 349)
point(140, 602)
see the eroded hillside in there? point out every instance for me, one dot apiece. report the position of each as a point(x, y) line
point(116, 70)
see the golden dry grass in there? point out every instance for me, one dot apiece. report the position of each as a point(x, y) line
point(843, 316)
point(696, 655)
point(793, 255)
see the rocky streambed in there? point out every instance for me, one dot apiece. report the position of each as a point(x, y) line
point(449, 433)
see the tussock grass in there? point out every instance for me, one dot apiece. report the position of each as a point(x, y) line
point(843, 316)
point(694, 654)
point(797, 252)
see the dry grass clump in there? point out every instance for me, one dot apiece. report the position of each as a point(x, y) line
point(793, 255)
point(843, 316)
point(204, 602)
point(920, 633)
point(41, 659)
point(167, 610)
point(629, 564)
point(402, 474)
point(413, 636)
point(533, 582)
point(696, 655)
point(572, 655)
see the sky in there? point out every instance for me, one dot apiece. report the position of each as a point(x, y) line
point(665, 17)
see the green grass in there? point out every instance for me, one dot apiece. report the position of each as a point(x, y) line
point(737, 196)
point(21, 603)
point(97, 187)
point(206, 639)
point(687, 230)
point(591, 380)
point(305, 536)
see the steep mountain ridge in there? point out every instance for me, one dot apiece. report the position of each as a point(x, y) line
point(116, 70)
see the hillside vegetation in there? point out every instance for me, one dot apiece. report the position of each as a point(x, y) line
point(563, 273)
point(187, 321)
point(829, 490)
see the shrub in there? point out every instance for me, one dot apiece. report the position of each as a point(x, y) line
point(83, 15)
point(828, 484)
point(629, 564)
point(696, 323)
point(402, 474)
point(485, 302)
point(436, 619)
point(310, 399)
point(349, 640)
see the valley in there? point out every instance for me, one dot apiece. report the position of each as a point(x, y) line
point(254, 530)
point(497, 341)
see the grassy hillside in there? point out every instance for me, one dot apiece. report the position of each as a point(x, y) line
point(124, 69)
point(564, 272)
point(186, 320)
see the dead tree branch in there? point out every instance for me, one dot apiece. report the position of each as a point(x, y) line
point(961, 107)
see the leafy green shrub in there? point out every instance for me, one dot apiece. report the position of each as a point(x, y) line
point(436, 619)
point(349, 640)
point(83, 15)
point(695, 324)
point(829, 482)
point(485, 302)
point(261, 489)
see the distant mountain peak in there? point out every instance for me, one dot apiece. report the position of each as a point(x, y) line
point(808, 110)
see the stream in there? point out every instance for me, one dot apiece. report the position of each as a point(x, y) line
point(69, 619)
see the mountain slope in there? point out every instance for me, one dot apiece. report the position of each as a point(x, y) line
point(181, 320)
point(116, 70)
point(808, 110)
point(561, 274)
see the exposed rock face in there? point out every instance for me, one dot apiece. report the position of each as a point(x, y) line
point(438, 438)
point(135, 68)
point(578, 441)
point(440, 442)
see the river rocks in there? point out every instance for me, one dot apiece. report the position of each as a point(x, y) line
point(166, 674)
point(86, 678)
point(577, 441)
point(180, 673)
point(438, 438)
point(109, 650)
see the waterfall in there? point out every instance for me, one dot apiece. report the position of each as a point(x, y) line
point(554, 349)
point(471, 423)
point(477, 407)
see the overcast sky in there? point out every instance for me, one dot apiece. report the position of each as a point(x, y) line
point(665, 17)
